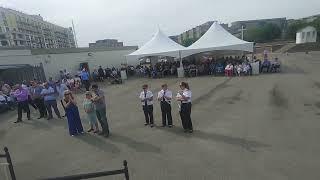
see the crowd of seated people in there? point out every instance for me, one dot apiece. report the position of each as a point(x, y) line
point(268, 66)
point(98, 75)
point(161, 69)
point(228, 66)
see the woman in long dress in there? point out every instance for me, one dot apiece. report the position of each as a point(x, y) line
point(72, 113)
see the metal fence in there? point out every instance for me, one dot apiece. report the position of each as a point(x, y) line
point(95, 174)
point(8, 164)
point(16, 73)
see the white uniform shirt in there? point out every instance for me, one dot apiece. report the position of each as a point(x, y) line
point(167, 94)
point(186, 93)
point(2, 98)
point(143, 96)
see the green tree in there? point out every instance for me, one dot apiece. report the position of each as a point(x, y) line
point(299, 24)
point(188, 42)
point(266, 32)
point(294, 27)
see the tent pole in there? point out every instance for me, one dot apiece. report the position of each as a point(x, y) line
point(180, 59)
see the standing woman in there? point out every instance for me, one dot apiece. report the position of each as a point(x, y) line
point(72, 113)
point(184, 96)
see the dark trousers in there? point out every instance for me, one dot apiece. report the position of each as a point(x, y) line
point(148, 113)
point(53, 104)
point(31, 102)
point(86, 84)
point(102, 118)
point(166, 113)
point(185, 114)
point(41, 107)
point(25, 106)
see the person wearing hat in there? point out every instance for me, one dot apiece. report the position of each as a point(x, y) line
point(165, 96)
point(99, 101)
point(146, 98)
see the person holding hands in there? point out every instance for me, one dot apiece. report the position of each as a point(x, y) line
point(146, 98)
point(165, 96)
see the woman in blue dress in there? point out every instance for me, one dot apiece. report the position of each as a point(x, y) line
point(72, 113)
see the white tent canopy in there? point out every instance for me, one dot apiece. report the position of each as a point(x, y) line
point(217, 38)
point(159, 45)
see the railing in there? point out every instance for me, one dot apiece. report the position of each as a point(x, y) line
point(6, 155)
point(95, 175)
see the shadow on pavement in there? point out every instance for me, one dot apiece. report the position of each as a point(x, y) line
point(38, 124)
point(2, 133)
point(248, 145)
point(137, 145)
point(99, 143)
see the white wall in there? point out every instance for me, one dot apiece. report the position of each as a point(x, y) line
point(53, 63)
point(305, 35)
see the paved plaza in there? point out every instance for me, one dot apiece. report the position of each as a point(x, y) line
point(261, 128)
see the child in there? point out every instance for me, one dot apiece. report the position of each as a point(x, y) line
point(89, 109)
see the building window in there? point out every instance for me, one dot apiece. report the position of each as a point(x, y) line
point(4, 43)
point(314, 33)
point(303, 34)
point(7, 29)
point(308, 34)
point(2, 36)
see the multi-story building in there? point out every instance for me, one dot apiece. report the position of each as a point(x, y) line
point(194, 33)
point(20, 29)
point(106, 43)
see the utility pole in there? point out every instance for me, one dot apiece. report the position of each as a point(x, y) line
point(75, 35)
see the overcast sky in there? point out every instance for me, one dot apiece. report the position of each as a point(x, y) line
point(135, 21)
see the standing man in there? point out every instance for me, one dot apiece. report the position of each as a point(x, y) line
point(38, 99)
point(146, 98)
point(101, 73)
point(85, 79)
point(22, 97)
point(51, 83)
point(61, 88)
point(50, 100)
point(165, 96)
point(99, 101)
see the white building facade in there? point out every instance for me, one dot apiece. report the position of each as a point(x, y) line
point(54, 60)
point(306, 35)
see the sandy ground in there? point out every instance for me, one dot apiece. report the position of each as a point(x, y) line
point(261, 127)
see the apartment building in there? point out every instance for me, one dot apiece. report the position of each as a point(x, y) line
point(194, 33)
point(21, 29)
point(106, 43)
